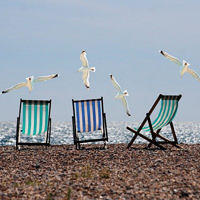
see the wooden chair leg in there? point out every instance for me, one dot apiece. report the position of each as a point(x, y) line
point(167, 141)
point(133, 139)
point(144, 137)
point(78, 146)
point(150, 144)
point(173, 133)
point(104, 145)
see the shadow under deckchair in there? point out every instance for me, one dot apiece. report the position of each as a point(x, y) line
point(168, 110)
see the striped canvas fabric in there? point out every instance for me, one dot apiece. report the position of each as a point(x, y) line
point(88, 115)
point(35, 117)
point(167, 113)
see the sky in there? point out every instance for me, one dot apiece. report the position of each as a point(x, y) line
point(122, 38)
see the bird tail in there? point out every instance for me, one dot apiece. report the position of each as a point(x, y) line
point(117, 96)
point(79, 69)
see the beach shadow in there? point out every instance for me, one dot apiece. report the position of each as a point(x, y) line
point(145, 149)
point(33, 148)
point(167, 147)
point(92, 148)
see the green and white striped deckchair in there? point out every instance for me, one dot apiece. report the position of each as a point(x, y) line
point(168, 110)
point(88, 116)
point(35, 120)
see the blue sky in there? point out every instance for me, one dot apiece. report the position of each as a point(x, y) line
point(120, 37)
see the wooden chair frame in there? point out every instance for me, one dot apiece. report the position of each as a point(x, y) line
point(77, 141)
point(153, 133)
point(18, 131)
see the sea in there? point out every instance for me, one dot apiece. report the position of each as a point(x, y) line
point(61, 133)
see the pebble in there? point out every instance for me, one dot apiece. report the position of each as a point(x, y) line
point(61, 172)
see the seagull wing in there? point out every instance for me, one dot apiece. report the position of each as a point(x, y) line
point(45, 78)
point(114, 82)
point(171, 58)
point(85, 78)
point(15, 87)
point(125, 103)
point(194, 74)
point(84, 60)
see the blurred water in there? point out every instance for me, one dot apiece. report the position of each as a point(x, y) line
point(61, 133)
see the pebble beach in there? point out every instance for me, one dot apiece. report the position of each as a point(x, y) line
point(106, 75)
point(61, 172)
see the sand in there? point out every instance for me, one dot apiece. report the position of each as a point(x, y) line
point(61, 172)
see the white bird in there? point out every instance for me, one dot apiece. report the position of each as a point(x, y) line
point(184, 65)
point(30, 82)
point(121, 95)
point(85, 69)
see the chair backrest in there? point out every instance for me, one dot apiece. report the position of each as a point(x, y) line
point(168, 110)
point(88, 114)
point(36, 114)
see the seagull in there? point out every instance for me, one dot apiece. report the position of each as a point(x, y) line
point(121, 95)
point(184, 65)
point(85, 69)
point(29, 83)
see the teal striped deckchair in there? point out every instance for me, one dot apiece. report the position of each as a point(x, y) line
point(35, 121)
point(88, 116)
point(168, 110)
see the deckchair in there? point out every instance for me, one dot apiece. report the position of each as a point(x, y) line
point(89, 117)
point(35, 121)
point(168, 110)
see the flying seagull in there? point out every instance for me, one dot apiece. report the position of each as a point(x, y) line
point(29, 82)
point(85, 69)
point(121, 95)
point(184, 65)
